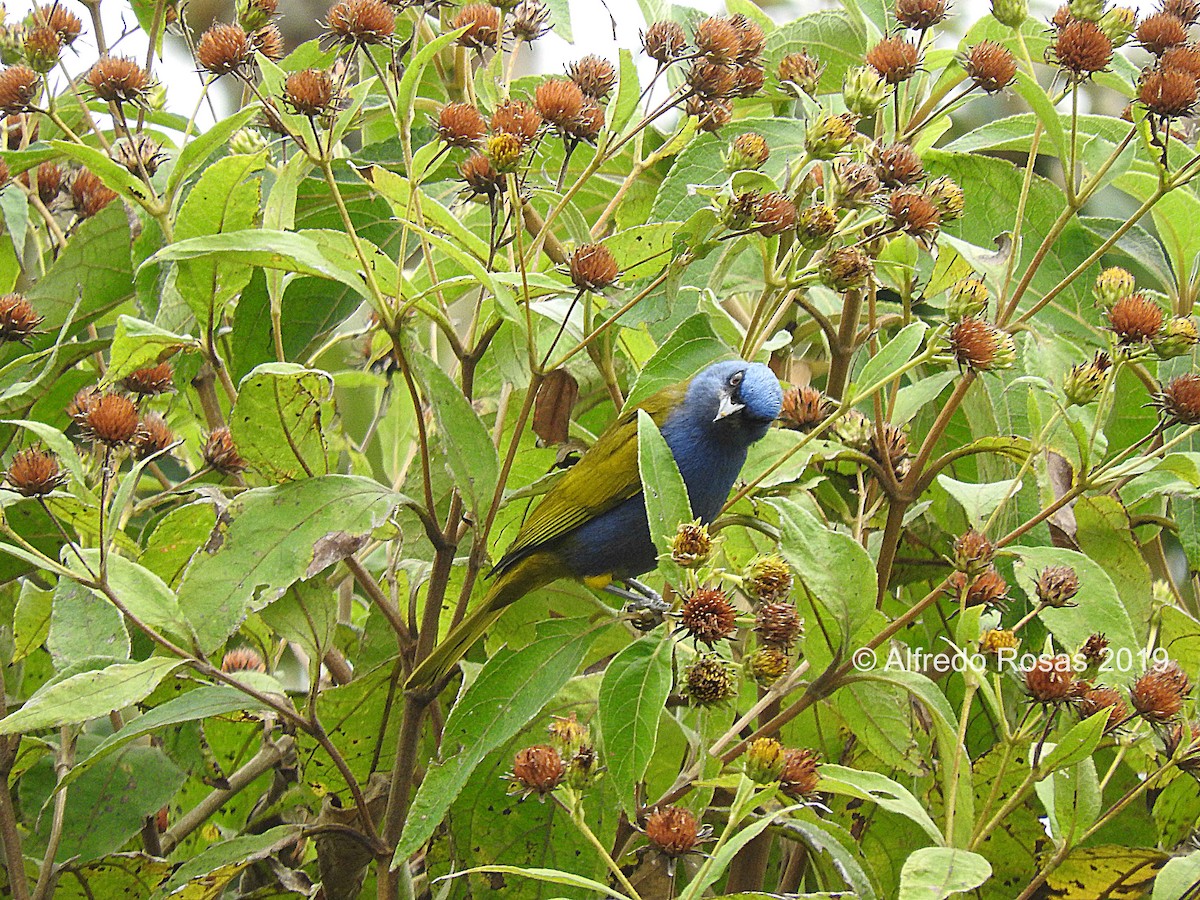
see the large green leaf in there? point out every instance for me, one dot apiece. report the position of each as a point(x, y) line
point(632, 696)
point(934, 873)
point(688, 349)
point(137, 344)
point(271, 537)
point(280, 419)
point(667, 502)
point(142, 592)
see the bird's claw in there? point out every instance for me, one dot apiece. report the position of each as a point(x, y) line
point(645, 609)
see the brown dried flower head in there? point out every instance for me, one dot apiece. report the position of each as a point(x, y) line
point(711, 81)
point(596, 77)
point(767, 665)
point(112, 419)
point(224, 48)
point(816, 225)
point(1049, 679)
point(153, 436)
point(973, 551)
point(530, 20)
point(309, 92)
point(61, 21)
point(751, 38)
point(990, 66)
point(34, 472)
point(1101, 697)
point(846, 268)
point(777, 624)
point(118, 79)
point(1135, 318)
point(855, 184)
point(711, 115)
point(150, 381)
point(708, 680)
point(1160, 32)
point(268, 41)
point(559, 102)
point(138, 153)
point(243, 659)
point(1082, 49)
point(50, 180)
point(1057, 586)
point(1159, 694)
point(480, 175)
point(774, 214)
point(1179, 400)
point(708, 616)
point(801, 70)
point(717, 39)
point(366, 22)
point(482, 22)
point(1168, 92)
point(42, 48)
point(891, 449)
point(1095, 649)
point(460, 125)
point(804, 408)
point(895, 59)
point(538, 770)
point(748, 80)
point(19, 321)
point(920, 15)
point(748, 151)
point(588, 124)
point(988, 588)
point(799, 778)
point(692, 544)
point(898, 165)
point(1187, 11)
point(593, 267)
point(980, 345)
point(768, 578)
point(911, 212)
point(674, 831)
point(89, 194)
point(665, 42)
point(18, 86)
point(517, 118)
point(1185, 58)
point(220, 453)
point(83, 400)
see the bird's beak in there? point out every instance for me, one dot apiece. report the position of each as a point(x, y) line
point(728, 407)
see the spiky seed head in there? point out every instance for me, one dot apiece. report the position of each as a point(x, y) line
point(517, 118)
point(138, 153)
point(973, 552)
point(711, 81)
point(153, 436)
point(855, 183)
point(309, 92)
point(1185, 58)
point(1187, 11)
point(898, 165)
point(83, 400)
point(967, 297)
point(268, 41)
point(777, 624)
point(1095, 649)
point(18, 86)
point(224, 48)
point(221, 453)
point(1160, 32)
point(593, 267)
point(366, 22)
point(118, 79)
point(1049, 679)
point(717, 39)
point(692, 544)
point(1159, 694)
point(665, 42)
point(864, 90)
point(1179, 400)
point(1167, 92)
point(895, 59)
point(61, 21)
point(89, 194)
point(243, 659)
point(596, 77)
point(1082, 49)
point(538, 770)
point(816, 225)
point(766, 665)
point(42, 49)
point(911, 212)
point(1095, 699)
point(800, 73)
point(480, 175)
point(944, 193)
point(708, 680)
point(764, 760)
point(1057, 586)
point(799, 778)
point(112, 419)
point(711, 115)
point(768, 578)
point(460, 125)
point(673, 830)
point(991, 66)
point(748, 80)
point(34, 472)
point(738, 213)
point(804, 408)
point(1085, 381)
point(920, 15)
point(1135, 318)
point(530, 20)
point(588, 124)
point(846, 268)
point(747, 151)
point(1178, 337)
point(708, 616)
point(829, 134)
point(981, 346)
point(774, 214)
point(559, 103)
point(482, 22)
point(751, 39)
point(150, 381)
point(988, 588)
point(19, 321)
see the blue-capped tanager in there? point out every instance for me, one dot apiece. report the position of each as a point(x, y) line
point(591, 525)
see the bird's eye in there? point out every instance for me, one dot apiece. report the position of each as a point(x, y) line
point(736, 378)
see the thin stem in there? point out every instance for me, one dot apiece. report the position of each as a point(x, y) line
point(581, 824)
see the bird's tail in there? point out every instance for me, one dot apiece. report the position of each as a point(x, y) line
point(510, 586)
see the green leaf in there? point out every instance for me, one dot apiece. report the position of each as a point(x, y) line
point(469, 452)
point(31, 620)
point(271, 537)
point(144, 594)
point(553, 876)
point(406, 91)
point(881, 790)
point(643, 250)
point(829, 839)
point(213, 868)
point(137, 344)
point(1077, 744)
point(633, 695)
point(307, 615)
point(837, 39)
point(204, 145)
point(978, 501)
point(1178, 877)
point(911, 398)
point(89, 695)
point(204, 702)
point(624, 102)
point(510, 689)
point(892, 356)
point(833, 567)
point(81, 628)
point(224, 200)
point(933, 873)
point(280, 418)
point(1099, 608)
point(723, 859)
point(689, 348)
point(111, 173)
point(667, 502)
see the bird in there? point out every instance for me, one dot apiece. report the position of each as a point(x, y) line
point(592, 525)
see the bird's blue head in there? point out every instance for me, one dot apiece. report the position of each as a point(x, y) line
point(743, 396)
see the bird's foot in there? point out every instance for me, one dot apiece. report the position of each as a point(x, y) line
point(645, 608)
